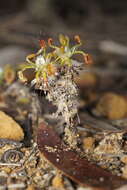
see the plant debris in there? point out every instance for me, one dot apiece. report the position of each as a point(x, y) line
point(72, 165)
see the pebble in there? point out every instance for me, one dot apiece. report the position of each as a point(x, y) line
point(10, 129)
point(124, 171)
point(124, 159)
point(84, 188)
point(88, 143)
point(57, 181)
point(30, 187)
point(112, 106)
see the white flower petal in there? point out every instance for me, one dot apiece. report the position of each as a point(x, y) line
point(40, 60)
point(33, 82)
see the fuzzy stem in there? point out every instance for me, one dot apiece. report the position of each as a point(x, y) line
point(64, 94)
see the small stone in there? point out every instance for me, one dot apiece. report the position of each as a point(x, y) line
point(31, 187)
point(10, 129)
point(84, 188)
point(109, 145)
point(112, 106)
point(124, 171)
point(57, 181)
point(88, 143)
point(124, 159)
point(7, 170)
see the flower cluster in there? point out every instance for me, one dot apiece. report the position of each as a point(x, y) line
point(49, 60)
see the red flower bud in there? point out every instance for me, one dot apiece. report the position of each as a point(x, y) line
point(77, 39)
point(88, 59)
point(42, 43)
point(50, 40)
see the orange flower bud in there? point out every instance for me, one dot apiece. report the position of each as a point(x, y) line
point(77, 39)
point(50, 40)
point(42, 43)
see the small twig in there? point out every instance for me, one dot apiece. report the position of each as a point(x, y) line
point(15, 186)
point(10, 164)
point(12, 186)
point(31, 153)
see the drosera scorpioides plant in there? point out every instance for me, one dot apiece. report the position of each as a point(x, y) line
point(54, 69)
